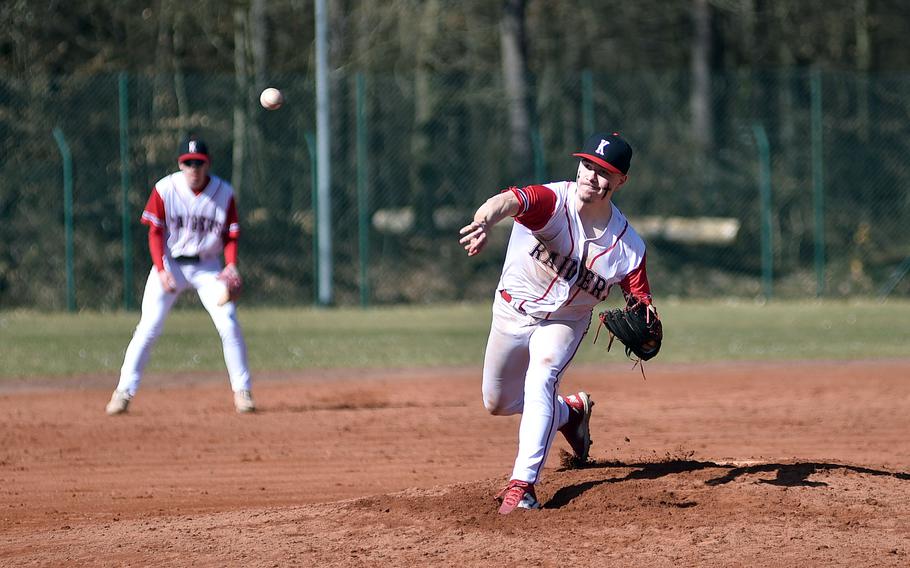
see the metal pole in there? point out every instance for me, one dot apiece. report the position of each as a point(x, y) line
point(67, 217)
point(125, 193)
point(323, 147)
point(764, 187)
point(818, 183)
point(363, 205)
point(314, 200)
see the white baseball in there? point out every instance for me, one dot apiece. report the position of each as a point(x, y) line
point(271, 99)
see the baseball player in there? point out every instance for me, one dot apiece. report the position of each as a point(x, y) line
point(192, 219)
point(569, 245)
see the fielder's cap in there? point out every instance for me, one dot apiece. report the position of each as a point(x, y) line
point(610, 151)
point(192, 148)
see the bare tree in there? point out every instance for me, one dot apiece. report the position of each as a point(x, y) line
point(863, 64)
point(422, 167)
point(513, 43)
point(259, 43)
point(241, 77)
point(183, 105)
point(700, 101)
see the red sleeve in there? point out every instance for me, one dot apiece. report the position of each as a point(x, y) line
point(635, 284)
point(156, 246)
point(230, 250)
point(231, 233)
point(232, 222)
point(154, 215)
point(536, 205)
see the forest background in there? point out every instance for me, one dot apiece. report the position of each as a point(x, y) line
point(770, 139)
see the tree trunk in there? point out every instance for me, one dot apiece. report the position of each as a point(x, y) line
point(513, 44)
point(700, 101)
point(863, 63)
point(183, 105)
point(787, 130)
point(423, 169)
point(162, 55)
point(259, 44)
point(747, 26)
point(241, 79)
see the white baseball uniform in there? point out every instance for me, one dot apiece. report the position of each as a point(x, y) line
point(196, 227)
point(554, 275)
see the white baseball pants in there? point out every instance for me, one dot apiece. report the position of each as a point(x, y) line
point(524, 361)
point(156, 304)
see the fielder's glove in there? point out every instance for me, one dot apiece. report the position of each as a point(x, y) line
point(230, 277)
point(637, 326)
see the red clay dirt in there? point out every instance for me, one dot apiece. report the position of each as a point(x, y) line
point(751, 464)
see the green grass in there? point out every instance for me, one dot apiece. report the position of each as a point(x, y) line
point(36, 344)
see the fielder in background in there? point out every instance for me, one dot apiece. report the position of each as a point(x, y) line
point(569, 245)
point(192, 219)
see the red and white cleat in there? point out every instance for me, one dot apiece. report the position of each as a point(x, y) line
point(577, 430)
point(517, 495)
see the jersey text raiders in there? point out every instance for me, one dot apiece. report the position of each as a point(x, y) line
point(194, 224)
point(554, 271)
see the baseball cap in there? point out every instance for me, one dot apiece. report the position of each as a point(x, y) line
point(607, 150)
point(192, 148)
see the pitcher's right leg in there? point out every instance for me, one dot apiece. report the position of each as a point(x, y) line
point(506, 360)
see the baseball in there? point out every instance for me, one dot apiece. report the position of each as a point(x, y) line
point(271, 99)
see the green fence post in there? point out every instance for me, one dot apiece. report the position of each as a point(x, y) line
point(587, 101)
point(125, 193)
point(67, 217)
point(363, 221)
point(818, 184)
point(895, 279)
point(764, 187)
point(314, 198)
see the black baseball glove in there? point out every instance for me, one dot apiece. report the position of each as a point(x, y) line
point(637, 326)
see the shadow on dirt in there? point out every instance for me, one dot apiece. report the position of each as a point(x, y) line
point(787, 474)
point(795, 474)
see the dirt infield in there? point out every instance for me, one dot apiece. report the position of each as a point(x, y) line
point(785, 464)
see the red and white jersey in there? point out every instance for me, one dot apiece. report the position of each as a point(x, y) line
point(553, 270)
point(194, 224)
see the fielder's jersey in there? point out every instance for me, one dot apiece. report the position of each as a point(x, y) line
point(553, 270)
point(194, 224)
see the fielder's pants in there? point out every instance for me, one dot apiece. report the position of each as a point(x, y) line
point(156, 304)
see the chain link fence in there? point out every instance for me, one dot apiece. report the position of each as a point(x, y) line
point(413, 156)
